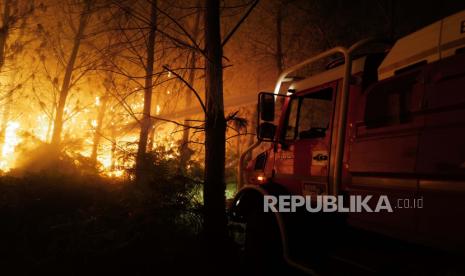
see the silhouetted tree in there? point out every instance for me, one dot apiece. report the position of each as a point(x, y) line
point(148, 87)
point(215, 127)
point(69, 69)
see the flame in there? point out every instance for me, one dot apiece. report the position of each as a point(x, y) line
point(41, 129)
point(112, 168)
point(9, 145)
point(116, 173)
point(105, 160)
point(80, 125)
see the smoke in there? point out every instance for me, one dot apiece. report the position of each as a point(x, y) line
point(34, 155)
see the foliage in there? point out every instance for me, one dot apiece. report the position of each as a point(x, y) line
point(54, 220)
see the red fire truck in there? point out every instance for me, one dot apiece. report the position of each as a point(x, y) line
point(389, 122)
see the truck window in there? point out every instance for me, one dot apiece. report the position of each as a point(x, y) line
point(291, 125)
point(309, 115)
point(389, 103)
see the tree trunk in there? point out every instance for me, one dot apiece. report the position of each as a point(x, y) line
point(151, 137)
point(184, 148)
point(215, 132)
point(238, 154)
point(146, 119)
point(6, 115)
point(50, 124)
point(98, 128)
point(186, 152)
point(279, 43)
point(113, 149)
point(4, 31)
point(58, 124)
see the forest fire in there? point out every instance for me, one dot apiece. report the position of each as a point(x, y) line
point(11, 140)
point(141, 137)
point(113, 158)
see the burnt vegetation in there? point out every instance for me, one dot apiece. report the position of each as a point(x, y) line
point(123, 122)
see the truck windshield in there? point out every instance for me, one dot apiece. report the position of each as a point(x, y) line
point(309, 115)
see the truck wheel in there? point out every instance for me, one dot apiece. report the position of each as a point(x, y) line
point(263, 248)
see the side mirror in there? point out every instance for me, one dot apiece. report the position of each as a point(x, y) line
point(266, 106)
point(266, 131)
point(266, 123)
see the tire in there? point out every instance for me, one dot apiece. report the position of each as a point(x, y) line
point(263, 248)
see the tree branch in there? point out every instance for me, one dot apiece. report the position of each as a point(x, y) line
point(189, 86)
point(231, 33)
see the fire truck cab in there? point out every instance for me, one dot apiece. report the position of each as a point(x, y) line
point(384, 123)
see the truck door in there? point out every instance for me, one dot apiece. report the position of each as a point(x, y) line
point(441, 155)
point(302, 157)
point(383, 152)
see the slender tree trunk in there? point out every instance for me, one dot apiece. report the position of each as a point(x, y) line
point(98, 128)
point(279, 43)
point(50, 124)
point(184, 149)
point(146, 119)
point(7, 106)
point(186, 152)
point(151, 137)
point(238, 154)
point(253, 129)
point(58, 124)
point(6, 109)
point(215, 132)
point(6, 115)
point(153, 128)
point(113, 149)
point(4, 31)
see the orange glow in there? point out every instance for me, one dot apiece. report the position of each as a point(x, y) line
point(113, 161)
point(9, 145)
point(41, 127)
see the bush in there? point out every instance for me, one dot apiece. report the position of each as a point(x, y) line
point(70, 222)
